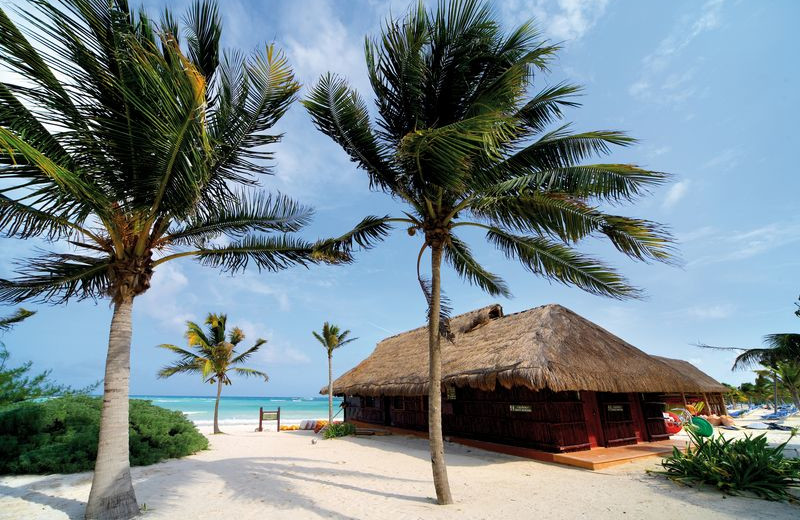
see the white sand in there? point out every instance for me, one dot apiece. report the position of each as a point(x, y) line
point(250, 475)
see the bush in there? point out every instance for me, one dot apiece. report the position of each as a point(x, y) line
point(338, 430)
point(60, 435)
point(735, 466)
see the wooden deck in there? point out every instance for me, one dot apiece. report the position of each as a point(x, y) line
point(594, 459)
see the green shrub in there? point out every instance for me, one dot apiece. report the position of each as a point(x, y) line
point(60, 435)
point(735, 466)
point(338, 430)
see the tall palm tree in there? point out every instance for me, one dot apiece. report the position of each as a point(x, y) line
point(462, 144)
point(133, 141)
point(331, 338)
point(213, 356)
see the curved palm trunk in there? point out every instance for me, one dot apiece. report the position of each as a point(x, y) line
point(330, 388)
point(436, 442)
point(216, 407)
point(112, 495)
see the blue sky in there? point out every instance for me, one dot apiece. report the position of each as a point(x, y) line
point(712, 90)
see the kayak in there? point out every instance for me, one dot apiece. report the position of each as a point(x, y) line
point(673, 423)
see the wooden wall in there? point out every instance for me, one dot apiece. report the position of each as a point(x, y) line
point(546, 420)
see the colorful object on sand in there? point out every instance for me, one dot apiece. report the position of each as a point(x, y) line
point(673, 423)
point(702, 427)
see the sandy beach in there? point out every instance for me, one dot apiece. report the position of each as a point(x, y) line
point(247, 474)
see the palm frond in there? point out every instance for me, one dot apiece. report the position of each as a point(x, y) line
point(559, 263)
point(562, 149)
point(271, 253)
point(19, 315)
point(607, 182)
point(179, 368)
point(365, 234)
point(341, 114)
point(186, 354)
point(458, 255)
point(570, 219)
point(245, 213)
point(204, 29)
point(57, 277)
point(244, 356)
point(251, 372)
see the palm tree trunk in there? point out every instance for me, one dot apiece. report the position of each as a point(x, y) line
point(330, 388)
point(216, 406)
point(112, 495)
point(775, 387)
point(436, 442)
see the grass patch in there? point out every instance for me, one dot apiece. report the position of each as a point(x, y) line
point(338, 430)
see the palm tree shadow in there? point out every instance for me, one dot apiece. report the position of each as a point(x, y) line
point(37, 494)
point(279, 485)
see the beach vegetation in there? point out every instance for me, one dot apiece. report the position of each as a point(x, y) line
point(331, 337)
point(212, 354)
point(339, 429)
point(467, 146)
point(61, 435)
point(133, 141)
point(736, 466)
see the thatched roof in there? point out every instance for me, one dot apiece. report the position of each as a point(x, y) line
point(545, 347)
point(703, 381)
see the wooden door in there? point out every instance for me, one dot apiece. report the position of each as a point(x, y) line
point(591, 413)
point(617, 419)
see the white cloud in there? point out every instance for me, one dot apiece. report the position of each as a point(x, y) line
point(750, 243)
point(657, 82)
point(712, 312)
point(695, 234)
point(162, 302)
point(275, 352)
point(675, 194)
point(563, 20)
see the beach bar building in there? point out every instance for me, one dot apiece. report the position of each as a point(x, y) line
point(544, 378)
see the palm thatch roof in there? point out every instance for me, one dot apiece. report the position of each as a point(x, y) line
point(704, 382)
point(545, 347)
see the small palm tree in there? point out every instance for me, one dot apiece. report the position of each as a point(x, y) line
point(213, 357)
point(331, 338)
point(463, 145)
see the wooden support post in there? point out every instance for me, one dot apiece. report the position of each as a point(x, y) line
point(683, 396)
point(279, 418)
point(260, 419)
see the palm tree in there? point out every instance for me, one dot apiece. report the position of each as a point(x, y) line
point(787, 375)
point(135, 147)
point(462, 145)
point(779, 348)
point(331, 338)
point(213, 357)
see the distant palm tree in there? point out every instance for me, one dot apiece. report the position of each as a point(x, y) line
point(463, 146)
point(331, 339)
point(213, 356)
point(780, 348)
point(787, 375)
point(132, 141)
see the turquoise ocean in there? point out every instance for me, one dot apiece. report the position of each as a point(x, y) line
point(244, 410)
